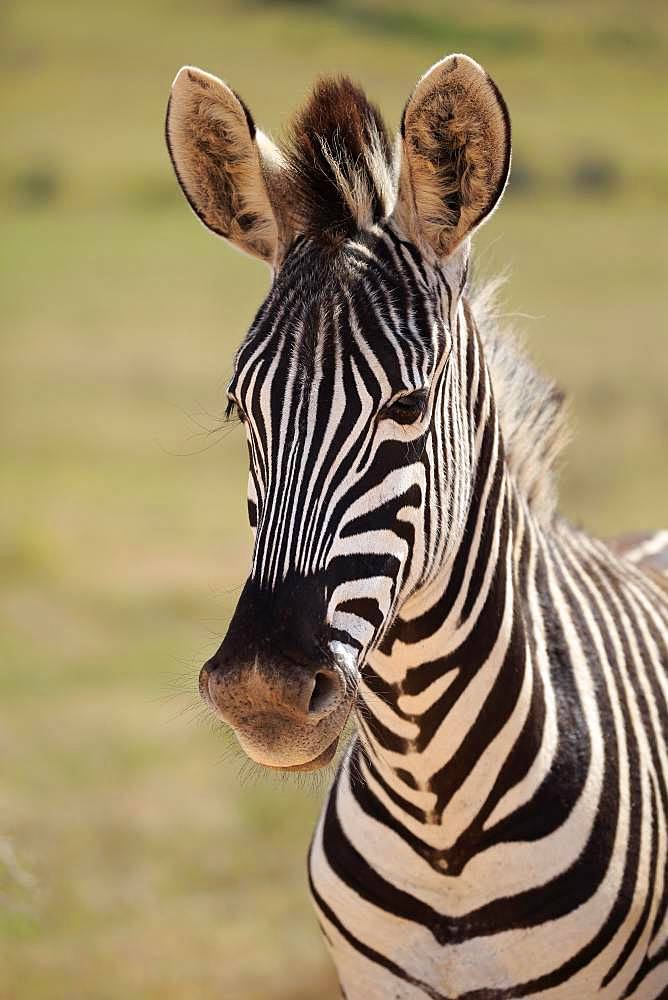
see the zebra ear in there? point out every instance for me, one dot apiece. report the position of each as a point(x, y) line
point(454, 154)
point(223, 163)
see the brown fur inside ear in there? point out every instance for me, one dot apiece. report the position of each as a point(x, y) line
point(338, 159)
point(211, 140)
point(455, 154)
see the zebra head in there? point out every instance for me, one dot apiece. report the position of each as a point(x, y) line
point(356, 383)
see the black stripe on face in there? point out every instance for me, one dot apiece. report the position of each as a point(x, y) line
point(363, 322)
point(363, 607)
point(252, 514)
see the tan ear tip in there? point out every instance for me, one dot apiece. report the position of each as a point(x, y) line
point(457, 64)
point(182, 78)
point(465, 65)
point(191, 76)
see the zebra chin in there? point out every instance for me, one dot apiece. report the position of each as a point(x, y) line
point(277, 762)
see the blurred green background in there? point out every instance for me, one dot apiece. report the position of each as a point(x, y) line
point(134, 859)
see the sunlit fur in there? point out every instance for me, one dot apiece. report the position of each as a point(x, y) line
point(498, 827)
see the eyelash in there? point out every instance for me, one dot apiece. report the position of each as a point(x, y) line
point(407, 409)
point(234, 410)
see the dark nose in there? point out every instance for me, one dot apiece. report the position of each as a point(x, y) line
point(274, 657)
point(304, 697)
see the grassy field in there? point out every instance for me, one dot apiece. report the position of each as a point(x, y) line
point(135, 859)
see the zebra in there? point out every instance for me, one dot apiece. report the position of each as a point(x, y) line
point(498, 824)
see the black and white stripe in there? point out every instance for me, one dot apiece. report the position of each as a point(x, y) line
point(501, 816)
point(498, 827)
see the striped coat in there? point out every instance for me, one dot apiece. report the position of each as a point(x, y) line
point(498, 825)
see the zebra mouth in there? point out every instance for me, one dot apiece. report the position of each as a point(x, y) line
point(322, 760)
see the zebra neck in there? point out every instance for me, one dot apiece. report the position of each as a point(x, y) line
point(455, 687)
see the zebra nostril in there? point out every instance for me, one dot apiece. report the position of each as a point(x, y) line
point(326, 692)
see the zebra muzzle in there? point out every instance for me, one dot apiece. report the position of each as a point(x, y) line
point(275, 679)
point(286, 718)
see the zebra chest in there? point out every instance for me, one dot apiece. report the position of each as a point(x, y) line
point(502, 927)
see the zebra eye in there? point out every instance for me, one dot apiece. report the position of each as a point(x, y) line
point(407, 409)
point(234, 410)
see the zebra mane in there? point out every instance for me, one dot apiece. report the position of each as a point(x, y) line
point(340, 179)
point(339, 162)
point(532, 408)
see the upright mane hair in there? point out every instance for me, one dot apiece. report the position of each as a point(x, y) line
point(531, 407)
point(342, 178)
point(339, 160)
